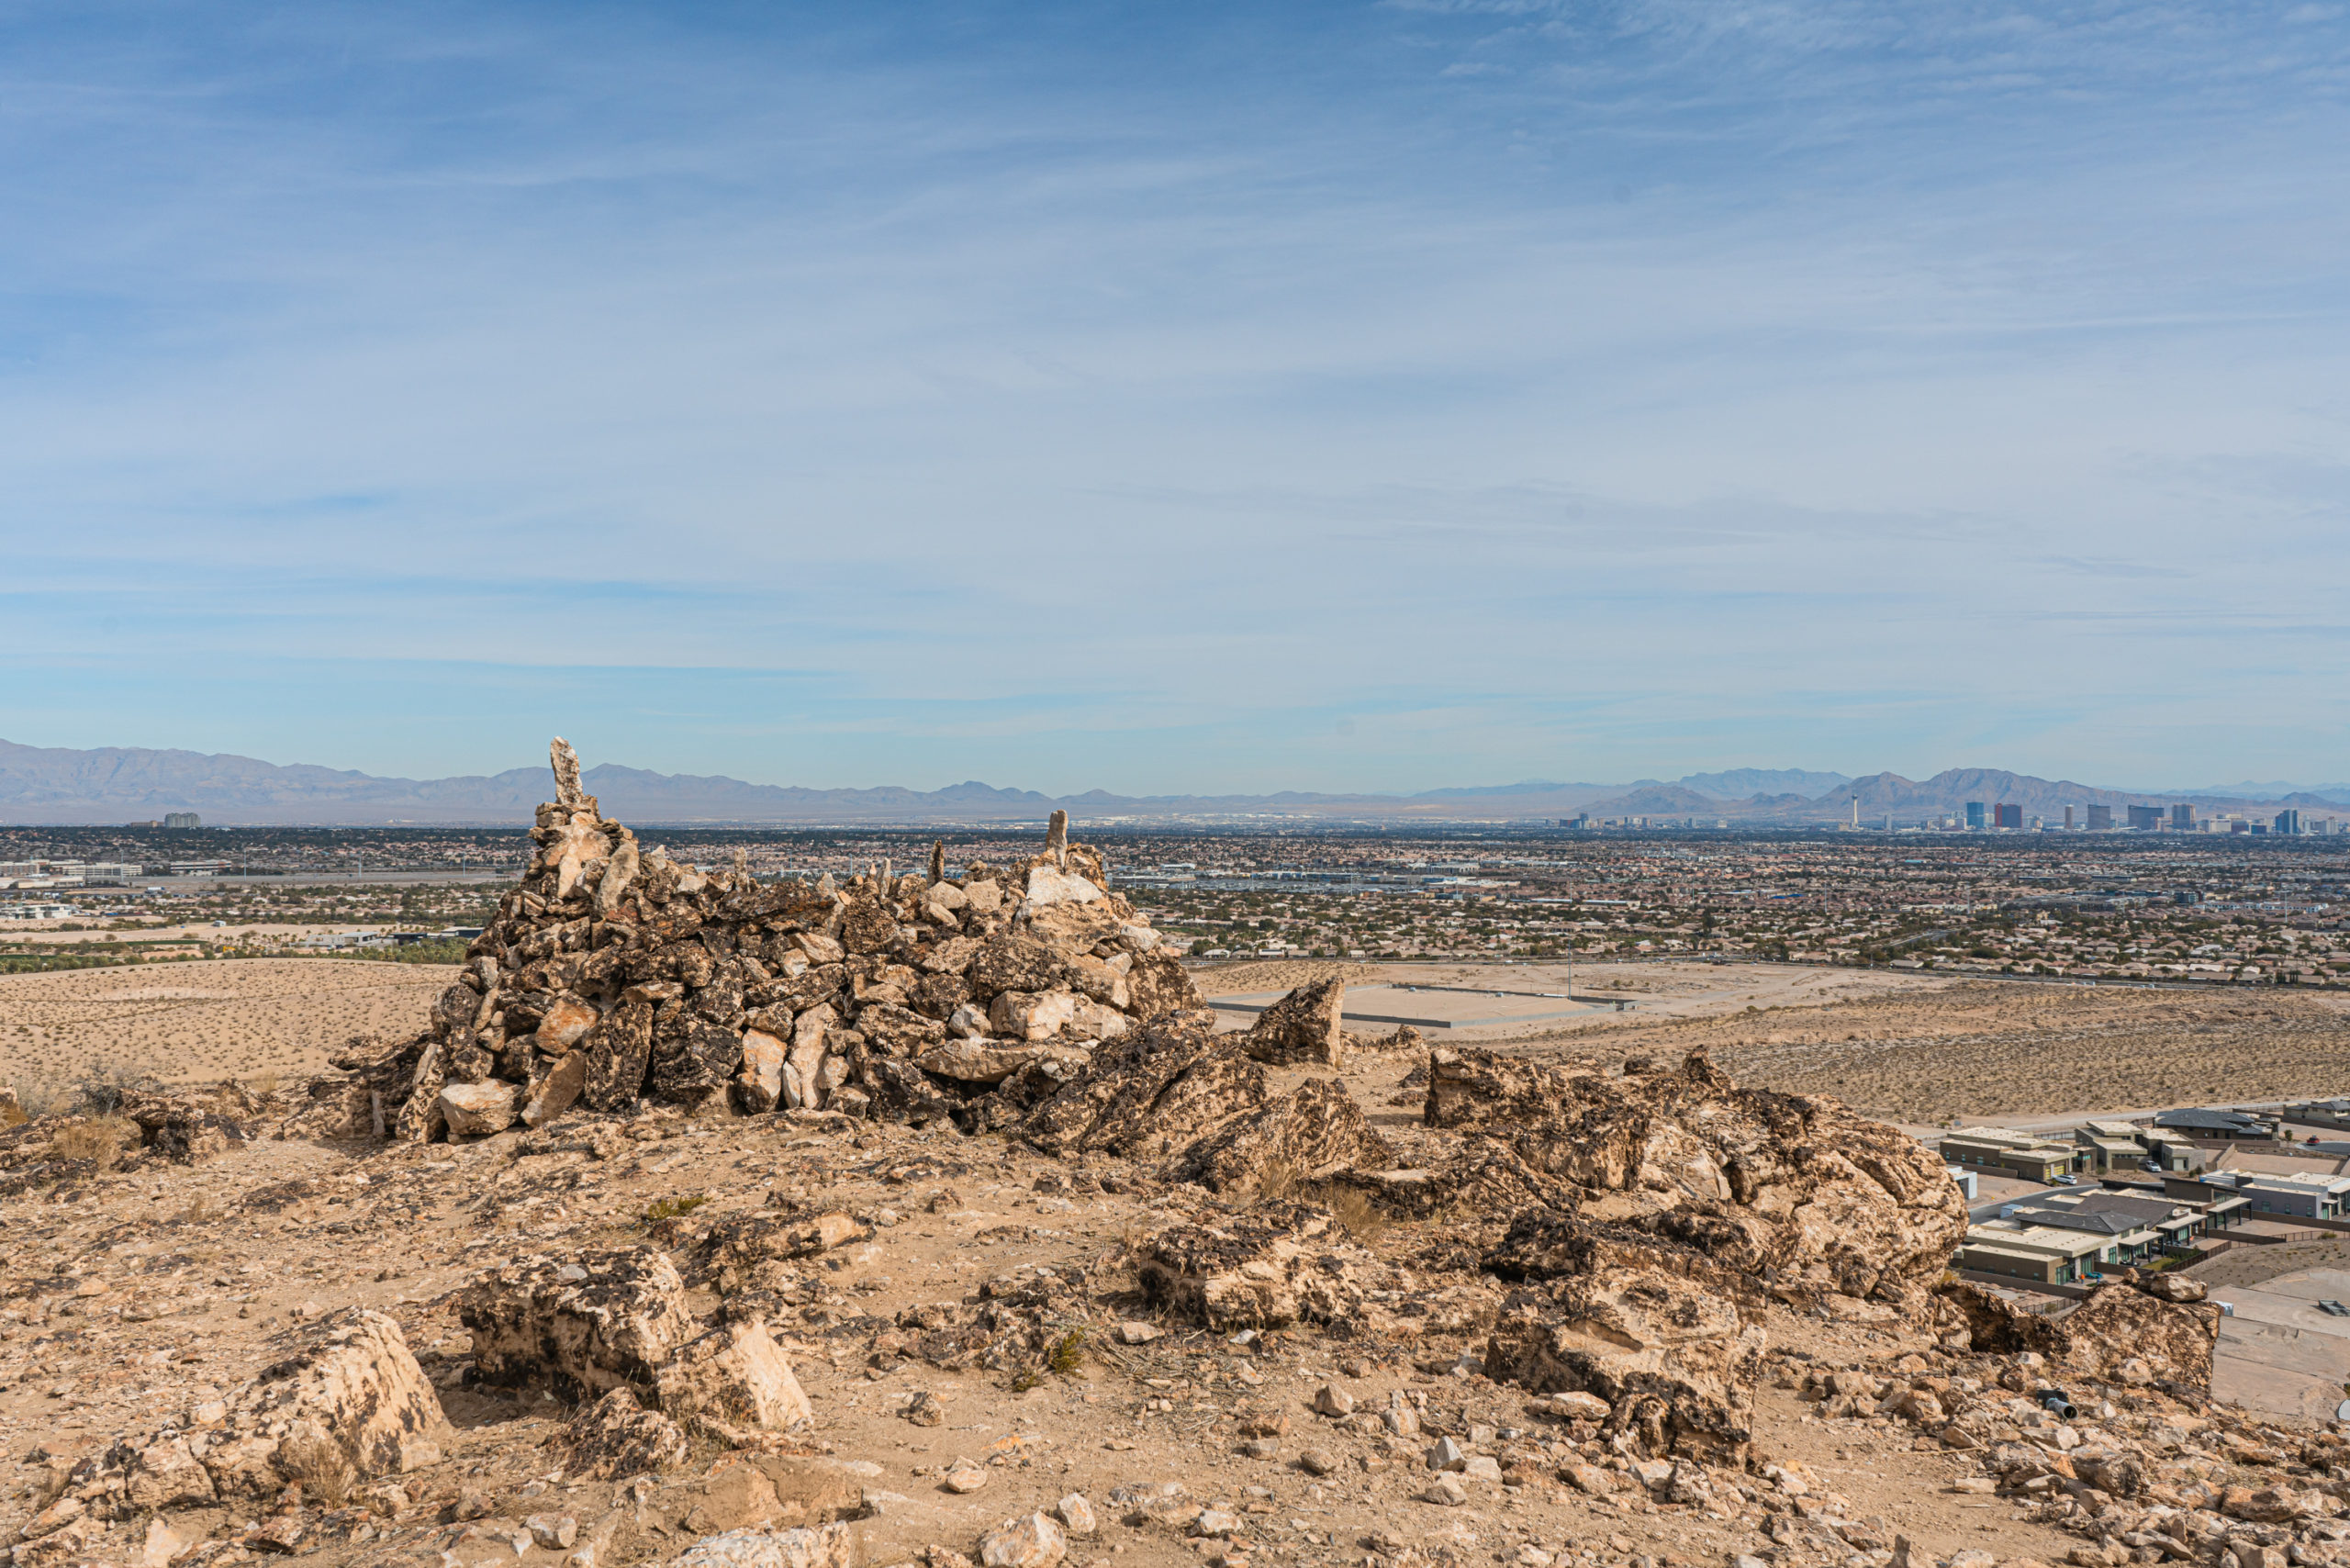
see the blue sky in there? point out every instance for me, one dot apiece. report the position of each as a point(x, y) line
point(1182, 397)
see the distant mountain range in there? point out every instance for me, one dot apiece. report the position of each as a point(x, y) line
point(1946, 793)
point(56, 786)
point(2269, 791)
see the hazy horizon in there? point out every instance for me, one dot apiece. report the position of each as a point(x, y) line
point(1371, 396)
point(1730, 786)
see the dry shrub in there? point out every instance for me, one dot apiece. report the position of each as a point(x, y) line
point(12, 1111)
point(311, 1460)
point(1281, 1184)
point(263, 1087)
point(1350, 1207)
point(40, 1098)
point(94, 1138)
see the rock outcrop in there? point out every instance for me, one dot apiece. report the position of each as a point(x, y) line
point(352, 1405)
point(615, 975)
point(1303, 1027)
point(579, 1327)
point(1652, 1214)
point(1286, 1263)
point(617, 1437)
point(611, 1330)
point(1796, 1191)
point(1177, 1091)
point(1676, 1362)
point(2135, 1330)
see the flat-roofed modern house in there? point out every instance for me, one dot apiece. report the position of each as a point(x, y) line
point(2176, 1222)
point(2306, 1194)
point(2027, 1156)
point(2112, 1146)
point(2173, 1152)
point(2056, 1248)
point(2248, 1126)
point(1986, 1255)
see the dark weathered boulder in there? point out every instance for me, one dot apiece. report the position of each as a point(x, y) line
point(1303, 1027)
point(1158, 984)
point(185, 1128)
point(1311, 1133)
point(1676, 1362)
point(577, 1326)
point(868, 925)
point(704, 1056)
point(1014, 963)
point(618, 1052)
point(1154, 1093)
point(617, 1436)
point(1795, 1186)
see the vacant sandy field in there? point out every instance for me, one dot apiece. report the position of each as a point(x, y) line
point(1490, 1003)
point(1915, 1049)
point(1277, 974)
point(1975, 1049)
point(1911, 1049)
point(201, 1021)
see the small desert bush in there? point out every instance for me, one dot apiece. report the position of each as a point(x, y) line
point(104, 1086)
point(316, 1463)
point(95, 1137)
point(1350, 1207)
point(670, 1208)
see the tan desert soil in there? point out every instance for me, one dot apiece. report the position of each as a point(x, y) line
point(176, 1281)
point(2257, 1265)
point(1979, 1049)
point(201, 1021)
point(1249, 976)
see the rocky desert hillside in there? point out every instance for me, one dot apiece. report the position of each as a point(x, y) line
point(928, 1220)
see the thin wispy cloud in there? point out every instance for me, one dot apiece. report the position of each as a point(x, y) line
point(1067, 397)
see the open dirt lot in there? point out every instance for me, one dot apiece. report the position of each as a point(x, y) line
point(199, 1022)
point(1493, 1004)
point(1911, 1049)
point(1919, 1052)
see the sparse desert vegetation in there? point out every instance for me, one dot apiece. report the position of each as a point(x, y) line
point(197, 1022)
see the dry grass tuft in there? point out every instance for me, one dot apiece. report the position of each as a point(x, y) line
point(97, 1137)
point(1350, 1207)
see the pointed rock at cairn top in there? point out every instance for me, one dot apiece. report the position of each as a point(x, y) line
point(567, 791)
point(937, 861)
point(1056, 839)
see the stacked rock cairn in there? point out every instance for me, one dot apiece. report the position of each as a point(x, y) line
point(614, 977)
